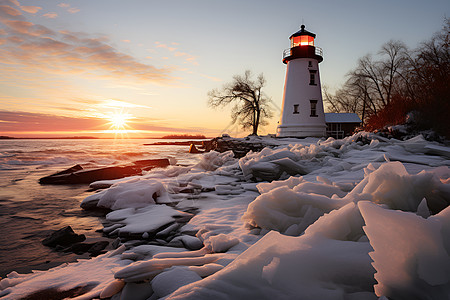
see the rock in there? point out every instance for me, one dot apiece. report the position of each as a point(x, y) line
point(193, 149)
point(77, 175)
point(97, 248)
point(63, 237)
point(79, 248)
point(116, 243)
point(240, 147)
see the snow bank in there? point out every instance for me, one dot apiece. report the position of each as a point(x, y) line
point(292, 205)
point(358, 218)
point(321, 264)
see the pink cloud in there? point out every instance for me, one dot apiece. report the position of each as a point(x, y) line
point(30, 44)
point(70, 9)
point(9, 10)
point(50, 15)
point(159, 45)
point(73, 10)
point(16, 121)
point(31, 9)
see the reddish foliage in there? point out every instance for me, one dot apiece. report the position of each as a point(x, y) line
point(392, 114)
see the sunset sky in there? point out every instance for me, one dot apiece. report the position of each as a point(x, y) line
point(89, 67)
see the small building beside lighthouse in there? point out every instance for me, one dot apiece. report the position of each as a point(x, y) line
point(302, 112)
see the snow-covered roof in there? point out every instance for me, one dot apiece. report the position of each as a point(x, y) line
point(342, 118)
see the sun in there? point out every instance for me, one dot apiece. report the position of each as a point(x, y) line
point(118, 122)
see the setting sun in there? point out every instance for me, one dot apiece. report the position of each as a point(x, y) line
point(118, 122)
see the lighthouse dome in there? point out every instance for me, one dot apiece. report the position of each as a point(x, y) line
point(302, 31)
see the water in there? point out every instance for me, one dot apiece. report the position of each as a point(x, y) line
point(30, 211)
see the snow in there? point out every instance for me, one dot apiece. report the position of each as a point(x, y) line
point(364, 217)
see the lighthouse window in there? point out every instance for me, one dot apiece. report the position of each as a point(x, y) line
point(312, 77)
point(309, 63)
point(313, 104)
point(296, 109)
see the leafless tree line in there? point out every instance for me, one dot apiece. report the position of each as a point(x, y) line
point(419, 77)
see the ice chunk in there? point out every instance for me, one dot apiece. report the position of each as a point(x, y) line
point(170, 280)
point(282, 207)
point(206, 270)
point(220, 243)
point(423, 209)
point(291, 182)
point(342, 224)
point(137, 291)
point(212, 160)
point(114, 287)
point(147, 219)
point(391, 184)
point(145, 270)
point(409, 254)
point(135, 193)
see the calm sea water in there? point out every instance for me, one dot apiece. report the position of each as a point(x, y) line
point(30, 211)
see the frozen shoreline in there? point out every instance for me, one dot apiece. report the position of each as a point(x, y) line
point(251, 233)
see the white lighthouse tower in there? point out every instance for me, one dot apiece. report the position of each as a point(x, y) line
point(302, 109)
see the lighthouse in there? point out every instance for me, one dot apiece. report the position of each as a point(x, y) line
point(302, 112)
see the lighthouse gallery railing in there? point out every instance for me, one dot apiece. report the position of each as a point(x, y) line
point(287, 52)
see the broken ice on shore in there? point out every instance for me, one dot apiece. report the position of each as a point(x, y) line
point(359, 218)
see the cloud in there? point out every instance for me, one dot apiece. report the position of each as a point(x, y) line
point(112, 103)
point(8, 10)
point(30, 9)
point(50, 15)
point(165, 46)
point(39, 48)
point(73, 10)
point(17, 121)
point(70, 9)
point(187, 57)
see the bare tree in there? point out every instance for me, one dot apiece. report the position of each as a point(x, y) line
point(251, 106)
point(370, 86)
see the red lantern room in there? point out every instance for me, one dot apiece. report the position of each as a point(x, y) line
point(302, 46)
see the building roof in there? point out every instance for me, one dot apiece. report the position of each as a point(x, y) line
point(342, 118)
point(302, 31)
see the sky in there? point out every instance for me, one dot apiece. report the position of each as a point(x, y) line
point(143, 68)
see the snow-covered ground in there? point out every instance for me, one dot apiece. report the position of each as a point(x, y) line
point(359, 218)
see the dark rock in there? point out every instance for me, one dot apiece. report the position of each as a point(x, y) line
point(63, 237)
point(97, 248)
point(240, 147)
point(177, 143)
point(116, 243)
point(79, 248)
point(193, 149)
point(77, 175)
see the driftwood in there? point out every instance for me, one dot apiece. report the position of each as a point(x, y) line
point(77, 175)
